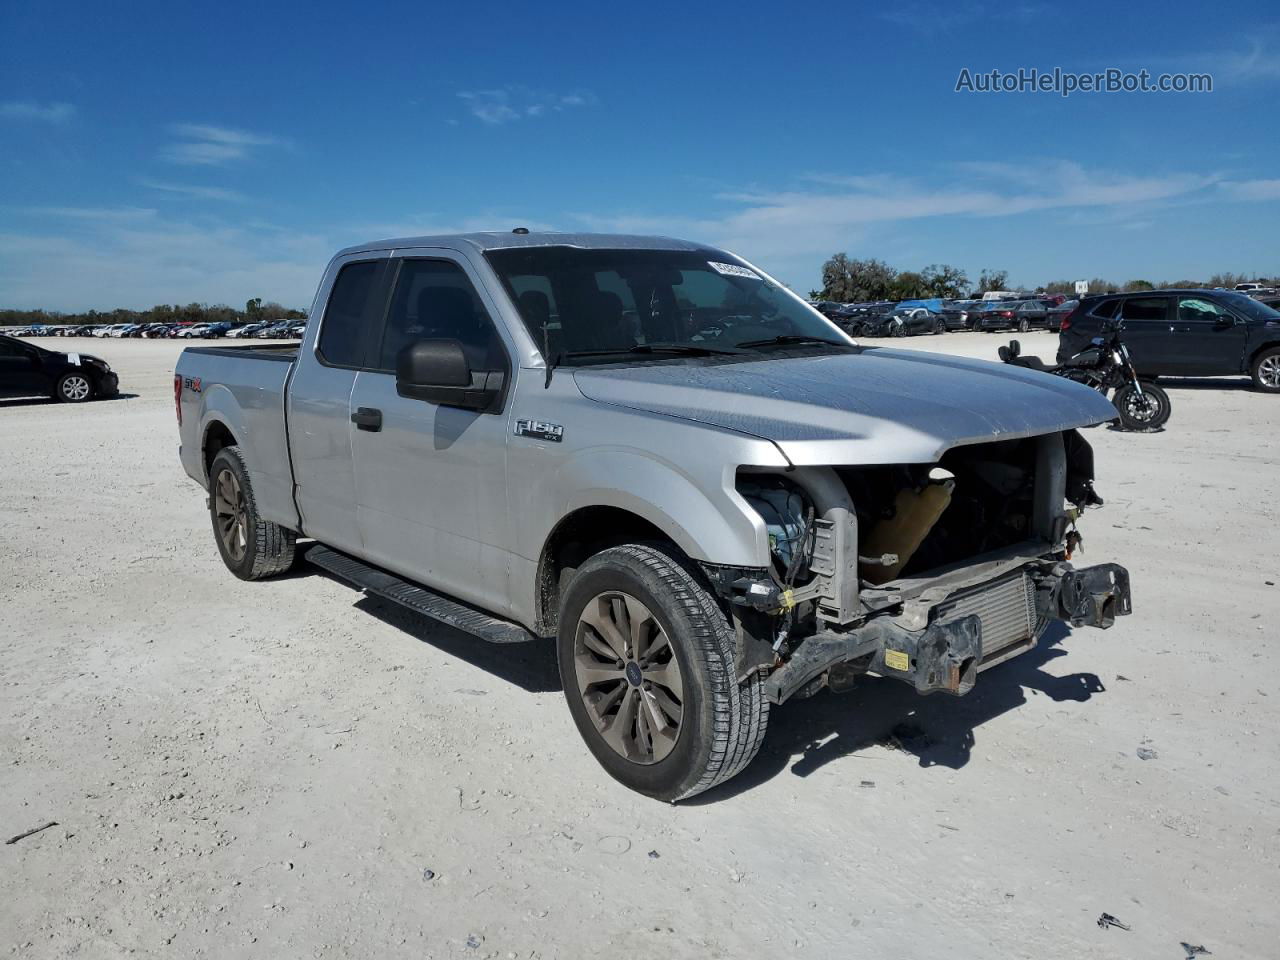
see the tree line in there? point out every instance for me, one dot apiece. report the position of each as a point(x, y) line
point(849, 280)
point(254, 311)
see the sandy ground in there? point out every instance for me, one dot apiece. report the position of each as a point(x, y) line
point(284, 769)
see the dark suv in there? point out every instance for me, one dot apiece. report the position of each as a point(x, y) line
point(1184, 333)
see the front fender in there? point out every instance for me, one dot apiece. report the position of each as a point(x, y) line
point(704, 517)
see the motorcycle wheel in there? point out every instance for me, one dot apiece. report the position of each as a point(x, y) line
point(1150, 411)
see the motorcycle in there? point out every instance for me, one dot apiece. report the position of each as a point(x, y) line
point(1105, 365)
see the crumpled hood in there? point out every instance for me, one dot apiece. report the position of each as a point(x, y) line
point(876, 406)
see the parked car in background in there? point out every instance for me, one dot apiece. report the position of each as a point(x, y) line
point(247, 330)
point(956, 314)
point(1251, 287)
point(1186, 333)
point(1059, 313)
point(1021, 315)
point(195, 330)
point(27, 370)
point(909, 322)
point(274, 331)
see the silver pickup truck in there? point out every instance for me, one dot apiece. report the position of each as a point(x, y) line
point(651, 451)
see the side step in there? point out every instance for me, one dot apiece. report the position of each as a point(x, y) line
point(380, 583)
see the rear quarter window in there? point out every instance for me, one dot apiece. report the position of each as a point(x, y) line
point(344, 328)
point(1105, 310)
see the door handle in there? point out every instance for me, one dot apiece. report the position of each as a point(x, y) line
point(367, 418)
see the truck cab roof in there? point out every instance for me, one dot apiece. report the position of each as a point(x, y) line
point(496, 240)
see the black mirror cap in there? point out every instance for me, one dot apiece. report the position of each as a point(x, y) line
point(437, 371)
point(433, 363)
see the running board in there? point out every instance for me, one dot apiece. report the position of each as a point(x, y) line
point(379, 583)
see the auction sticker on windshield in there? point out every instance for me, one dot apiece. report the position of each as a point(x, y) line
point(733, 270)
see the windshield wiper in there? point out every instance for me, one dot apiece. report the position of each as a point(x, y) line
point(787, 339)
point(686, 349)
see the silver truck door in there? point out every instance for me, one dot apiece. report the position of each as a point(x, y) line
point(431, 483)
point(319, 398)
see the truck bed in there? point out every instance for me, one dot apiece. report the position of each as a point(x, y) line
point(283, 352)
point(228, 386)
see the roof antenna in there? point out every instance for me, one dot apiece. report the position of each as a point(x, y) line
point(521, 230)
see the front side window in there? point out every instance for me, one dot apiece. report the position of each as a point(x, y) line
point(343, 330)
point(1196, 309)
point(434, 300)
point(651, 303)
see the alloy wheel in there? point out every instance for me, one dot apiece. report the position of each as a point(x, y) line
point(1269, 372)
point(233, 521)
point(628, 677)
point(75, 388)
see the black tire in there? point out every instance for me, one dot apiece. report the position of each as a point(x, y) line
point(1148, 412)
point(898, 330)
point(1265, 370)
point(264, 549)
point(939, 327)
point(722, 722)
point(1024, 325)
point(75, 386)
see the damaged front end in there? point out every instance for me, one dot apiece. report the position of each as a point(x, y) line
point(928, 573)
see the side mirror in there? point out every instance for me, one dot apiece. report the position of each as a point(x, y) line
point(438, 371)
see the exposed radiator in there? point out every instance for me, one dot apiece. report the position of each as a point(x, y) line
point(1007, 609)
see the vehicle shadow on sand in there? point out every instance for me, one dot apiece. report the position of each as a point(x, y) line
point(804, 735)
point(530, 666)
point(938, 730)
point(1207, 383)
point(41, 401)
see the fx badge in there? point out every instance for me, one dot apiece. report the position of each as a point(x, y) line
point(539, 430)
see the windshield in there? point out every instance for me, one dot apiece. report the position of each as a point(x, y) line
point(577, 303)
point(1250, 307)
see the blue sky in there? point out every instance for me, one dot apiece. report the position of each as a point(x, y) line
point(151, 153)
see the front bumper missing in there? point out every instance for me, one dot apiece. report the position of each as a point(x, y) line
point(948, 653)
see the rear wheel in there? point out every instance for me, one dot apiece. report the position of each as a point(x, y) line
point(647, 662)
point(1024, 325)
point(1266, 370)
point(74, 387)
point(939, 327)
point(252, 548)
point(1148, 411)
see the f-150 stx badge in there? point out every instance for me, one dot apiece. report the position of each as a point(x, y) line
point(539, 430)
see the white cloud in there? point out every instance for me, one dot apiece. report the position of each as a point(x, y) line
point(198, 192)
point(104, 259)
point(1251, 189)
point(831, 210)
point(43, 112)
point(111, 214)
point(505, 104)
point(936, 18)
point(202, 144)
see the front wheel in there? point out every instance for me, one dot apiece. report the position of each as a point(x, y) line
point(74, 387)
point(939, 327)
point(251, 547)
point(1150, 411)
point(647, 661)
point(1266, 370)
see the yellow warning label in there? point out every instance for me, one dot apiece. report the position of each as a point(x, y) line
point(897, 660)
